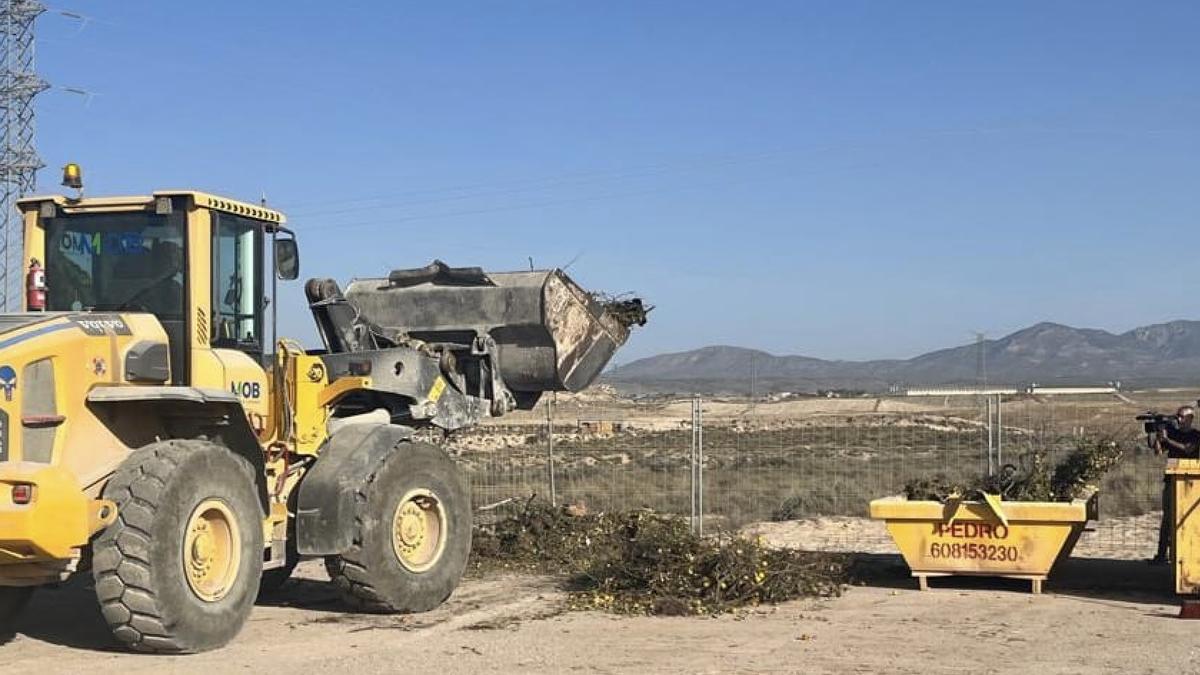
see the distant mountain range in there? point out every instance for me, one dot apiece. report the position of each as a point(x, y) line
point(1165, 354)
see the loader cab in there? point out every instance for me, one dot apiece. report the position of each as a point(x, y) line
point(205, 266)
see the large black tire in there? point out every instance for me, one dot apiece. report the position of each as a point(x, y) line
point(139, 561)
point(370, 576)
point(13, 600)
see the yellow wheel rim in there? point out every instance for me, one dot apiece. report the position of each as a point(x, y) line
point(419, 530)
point(211, 551)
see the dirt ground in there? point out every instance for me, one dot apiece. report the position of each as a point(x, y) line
point(1098, 615)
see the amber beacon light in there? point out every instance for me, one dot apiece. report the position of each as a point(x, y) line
point(72, 176)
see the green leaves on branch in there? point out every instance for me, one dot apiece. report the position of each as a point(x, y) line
point(1076, 476)
point(640, 562)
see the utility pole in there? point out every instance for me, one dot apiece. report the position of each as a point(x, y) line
point(753, 378)
point(981, 361)
point(19, 161)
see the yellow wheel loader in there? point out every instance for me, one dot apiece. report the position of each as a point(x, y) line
point(157, 434)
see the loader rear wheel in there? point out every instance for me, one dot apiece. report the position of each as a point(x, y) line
point(414, 534)
point(179, 569)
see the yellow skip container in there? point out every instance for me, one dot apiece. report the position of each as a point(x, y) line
point(1185, 473)
point(1017, 540)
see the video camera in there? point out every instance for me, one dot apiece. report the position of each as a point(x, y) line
point(1154, 422)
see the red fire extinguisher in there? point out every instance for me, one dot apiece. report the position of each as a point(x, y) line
point(35, 287)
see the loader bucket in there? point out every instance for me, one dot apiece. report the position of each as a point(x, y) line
point(550, 333)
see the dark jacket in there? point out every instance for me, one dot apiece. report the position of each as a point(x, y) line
point(1182, 443)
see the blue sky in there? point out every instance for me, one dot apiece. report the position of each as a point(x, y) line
point(836, 179)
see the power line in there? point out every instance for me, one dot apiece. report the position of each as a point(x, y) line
point(502, 188)
point(393, 220)
point(391, 201)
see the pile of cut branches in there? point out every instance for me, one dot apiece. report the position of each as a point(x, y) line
point(640, 562)
point(1077, 476)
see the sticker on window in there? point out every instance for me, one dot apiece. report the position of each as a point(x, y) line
point(96, 243)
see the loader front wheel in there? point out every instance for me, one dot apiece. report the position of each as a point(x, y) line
point(179, 570)
point(414, 534)
point(13, 600)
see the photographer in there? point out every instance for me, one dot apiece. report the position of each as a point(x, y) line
point(1179, 441)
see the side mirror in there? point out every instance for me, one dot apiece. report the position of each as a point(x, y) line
point(287, 259)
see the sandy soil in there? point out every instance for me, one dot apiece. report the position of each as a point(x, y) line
point(1097, 616)
point(605, 404)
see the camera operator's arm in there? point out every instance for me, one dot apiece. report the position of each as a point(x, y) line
point(1169, 444)
point(1156, 440)
point(1181, 443)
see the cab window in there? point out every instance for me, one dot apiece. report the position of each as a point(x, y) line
point(237, 283)
point(129, 261)
point(126, 261)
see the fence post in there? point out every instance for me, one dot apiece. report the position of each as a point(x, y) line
point(988, 400)
point(696, 462)
point(700, 465)
point(550, 400)
point(692, 467)
point(999, 430)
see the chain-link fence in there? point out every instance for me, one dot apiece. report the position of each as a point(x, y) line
point(802, 470)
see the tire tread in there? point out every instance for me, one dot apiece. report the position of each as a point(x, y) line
point(351, 571)
point(134, 613)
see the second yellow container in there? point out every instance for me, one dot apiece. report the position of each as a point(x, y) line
point(990, 537)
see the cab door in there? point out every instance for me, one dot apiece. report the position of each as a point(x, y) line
point(238, 303)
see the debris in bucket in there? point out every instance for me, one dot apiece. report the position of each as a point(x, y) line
point(1034, 480)
point(627, 310)
point(641, 562)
